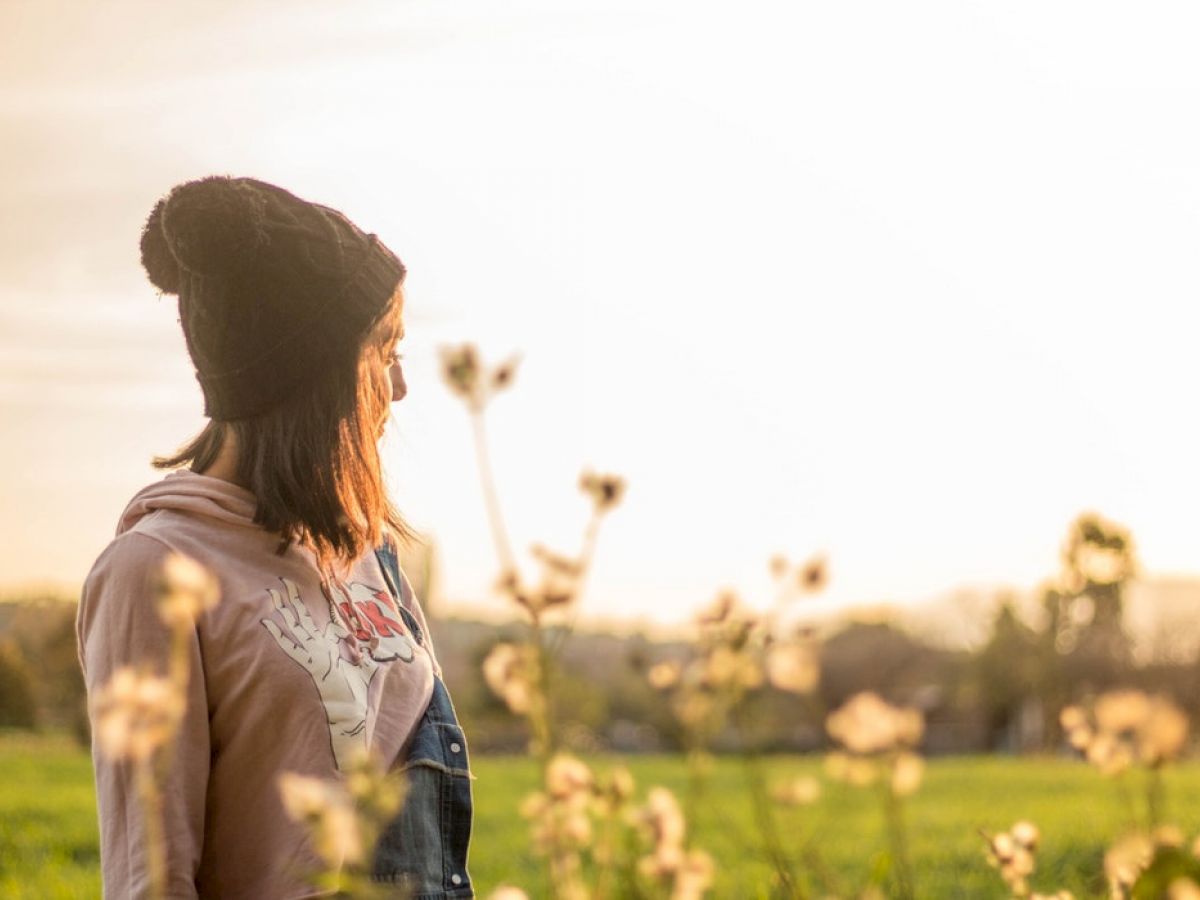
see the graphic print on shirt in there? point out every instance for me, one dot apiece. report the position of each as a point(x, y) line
point(362, 635)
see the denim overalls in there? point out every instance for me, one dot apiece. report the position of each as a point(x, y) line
point(425, 847)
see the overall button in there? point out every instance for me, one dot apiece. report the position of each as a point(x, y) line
point(455, 748)
point(456, 879)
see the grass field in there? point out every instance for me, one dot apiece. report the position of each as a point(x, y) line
point(48, 843)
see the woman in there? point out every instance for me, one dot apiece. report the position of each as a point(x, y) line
point(318, 650)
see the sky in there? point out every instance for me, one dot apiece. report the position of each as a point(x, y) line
point(910, 285)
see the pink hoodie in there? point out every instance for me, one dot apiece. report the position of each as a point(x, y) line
point(277, 686)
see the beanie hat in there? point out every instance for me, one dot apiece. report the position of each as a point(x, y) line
point(272, 288)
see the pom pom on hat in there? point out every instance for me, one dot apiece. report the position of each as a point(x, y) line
point(213, 226)
point(157, 259)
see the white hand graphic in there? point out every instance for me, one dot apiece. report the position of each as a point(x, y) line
point(342, 685)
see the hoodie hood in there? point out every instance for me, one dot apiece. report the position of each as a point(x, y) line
point(197, 495)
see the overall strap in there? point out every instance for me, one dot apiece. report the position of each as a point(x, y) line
point(389, 562)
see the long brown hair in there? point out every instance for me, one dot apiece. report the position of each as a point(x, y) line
point(312, 462)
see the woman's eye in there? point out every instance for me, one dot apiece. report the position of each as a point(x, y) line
point(394, 357)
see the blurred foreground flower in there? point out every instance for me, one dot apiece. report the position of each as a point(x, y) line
point(688, 874)
point(867, 724)
point(1126, 860)
point(326, 808)
point(343, 818)
point(511, 672)
point(1012, 853)
point(186, 589)
point(802, 791)
point(465, 375)
point(1127, 727)
point(606, 491)
point(794, 664)
point(136, 713)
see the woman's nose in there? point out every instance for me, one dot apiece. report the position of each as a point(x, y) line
point(399, 388)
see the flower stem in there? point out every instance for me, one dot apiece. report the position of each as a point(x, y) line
point(490, 496)
point(156, 850)
point(898, 838)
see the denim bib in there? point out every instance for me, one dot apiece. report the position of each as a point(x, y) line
point(425, 847)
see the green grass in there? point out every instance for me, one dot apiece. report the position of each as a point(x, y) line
point(48, 842)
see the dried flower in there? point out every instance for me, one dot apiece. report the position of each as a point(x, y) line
point(1126, 860)
point(813, 575)
point(664, 675)
point(510, 671)
point(1129, 727)
point(794, 665)
point(502, 375)
point(185, 590)
point(867, 724)
point(461, 372)
point(1183, 888)
point(329, 813)
point(1026, 834)
point(693, 877)
point(606, 491)
point(567, 776)
point(729, 668)
point(802, 791)
point(1012, 853)
point(907, 771)
point(136, 713)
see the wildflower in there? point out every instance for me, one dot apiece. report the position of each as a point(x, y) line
point(802, 791)
point(907, 770)
point(693, 877)
point(1164, 733)
point(720, 611)
point(663, 821)
point(461, 372)
point(371, 788)
point(1012, 853)
point(1129, 727)
point(1120, 711)
point(327, 810)
point(794, 666)
point(854, 770)
point(1168, 836)
point(726, 667)
point(567, 776)
point(606, 491)
point(136, 713)
point(502, 375)
point(510, 672)
point(813, 575)
point(1183, 888)
point(694, 709)
point(534, 805)
point(185, 590)
point(1126, 860)
point(867, 724)
point(1026, 834)
point(663, 675)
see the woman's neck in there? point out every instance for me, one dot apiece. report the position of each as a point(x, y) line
point(225, 466)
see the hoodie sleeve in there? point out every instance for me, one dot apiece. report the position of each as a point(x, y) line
point(118, 625)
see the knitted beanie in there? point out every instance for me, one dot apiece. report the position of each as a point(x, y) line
point(272, 288)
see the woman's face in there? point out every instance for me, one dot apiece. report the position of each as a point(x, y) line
point(387, 337)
